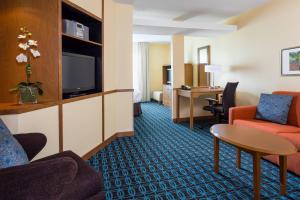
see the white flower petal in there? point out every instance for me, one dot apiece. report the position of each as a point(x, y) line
point(21, 36)
point(35, 53)
point(21, 58)
point(32, 42)
point(23, 46)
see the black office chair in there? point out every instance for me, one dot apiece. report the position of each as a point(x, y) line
point(221, 110)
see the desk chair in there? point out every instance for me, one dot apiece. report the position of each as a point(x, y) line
point(221, 110)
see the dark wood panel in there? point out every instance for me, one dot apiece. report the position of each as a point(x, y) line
point(188, 74)
point(41, 18)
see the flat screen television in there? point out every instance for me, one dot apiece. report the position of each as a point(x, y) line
point(169, 76)
point(78, 74)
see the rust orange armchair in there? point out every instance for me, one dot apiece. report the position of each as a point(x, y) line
point(245, 116)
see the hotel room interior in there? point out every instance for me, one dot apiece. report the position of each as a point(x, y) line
point(149, 99)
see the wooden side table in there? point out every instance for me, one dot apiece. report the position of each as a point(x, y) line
point(257, 143)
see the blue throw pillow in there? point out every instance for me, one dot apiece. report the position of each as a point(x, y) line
point(274, 108)
point(11, 152)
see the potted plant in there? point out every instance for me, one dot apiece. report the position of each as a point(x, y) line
point(28, 90)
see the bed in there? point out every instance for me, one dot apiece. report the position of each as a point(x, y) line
point(137, 98)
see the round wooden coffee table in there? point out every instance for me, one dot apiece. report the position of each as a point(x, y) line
point(256, 142)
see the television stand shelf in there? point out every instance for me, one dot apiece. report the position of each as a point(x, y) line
point(14, 108)
point(77, 39)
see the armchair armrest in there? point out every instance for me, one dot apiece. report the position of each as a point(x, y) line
point(212, 101)
point(32, 143)
point(40, 180)
point(241, 112)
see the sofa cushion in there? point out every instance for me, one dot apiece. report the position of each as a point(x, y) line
point(293, 138)
point(274, 108)
point(268, 126)
point(294, 114)
point(11, 152)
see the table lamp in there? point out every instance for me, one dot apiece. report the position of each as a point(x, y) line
point(213, 69)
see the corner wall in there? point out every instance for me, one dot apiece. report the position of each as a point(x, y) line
point(117, 67)
point(252, 55)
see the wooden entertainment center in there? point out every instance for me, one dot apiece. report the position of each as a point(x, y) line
point(62, 120)
point(52, 42)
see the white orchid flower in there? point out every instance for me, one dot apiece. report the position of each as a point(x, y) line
point(21, 36)
point(35, 53)
point(32, 43)
point(21, 58)
point(24, 46)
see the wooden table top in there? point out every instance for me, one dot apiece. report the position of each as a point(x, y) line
point(198, 91)
point(206, 89)
point(253, 139)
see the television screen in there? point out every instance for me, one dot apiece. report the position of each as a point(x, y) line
point(169, 76)
point(78, 73)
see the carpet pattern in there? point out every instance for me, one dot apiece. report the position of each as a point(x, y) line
point(169, 161)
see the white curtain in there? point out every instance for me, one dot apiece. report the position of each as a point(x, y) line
point(141, 82)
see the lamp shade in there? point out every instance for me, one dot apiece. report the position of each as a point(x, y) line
point(213, 68)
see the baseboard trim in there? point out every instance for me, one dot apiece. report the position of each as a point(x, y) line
point(187, 119)
point(125, 134)
point(107, 142)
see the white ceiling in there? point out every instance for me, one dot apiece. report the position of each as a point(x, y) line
point(187, 17)
point(151, 38)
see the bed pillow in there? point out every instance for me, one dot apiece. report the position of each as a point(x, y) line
point(274, 108)
point(11, 152)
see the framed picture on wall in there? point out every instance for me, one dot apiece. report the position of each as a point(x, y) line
point(290, 61)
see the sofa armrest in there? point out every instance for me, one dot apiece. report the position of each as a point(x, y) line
point(40, 180)
point(241, 112)
point(32, 143)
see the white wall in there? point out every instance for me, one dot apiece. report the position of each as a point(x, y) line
point(159, 55)
point(118, 67)
point(40, 121)
point(251, 55)
point(82, 125)
point(93, 6)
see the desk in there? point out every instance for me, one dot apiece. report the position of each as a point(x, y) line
point(192, 94)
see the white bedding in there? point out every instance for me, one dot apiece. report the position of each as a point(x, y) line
point(137, 96)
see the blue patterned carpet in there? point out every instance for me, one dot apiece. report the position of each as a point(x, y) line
point(169, 161)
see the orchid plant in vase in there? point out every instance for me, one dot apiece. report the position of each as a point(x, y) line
point(28, 90)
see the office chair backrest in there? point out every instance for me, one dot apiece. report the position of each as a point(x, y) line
point(229, 97)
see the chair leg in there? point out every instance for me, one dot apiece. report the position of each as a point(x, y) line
point(219, 119)
point(216, 116)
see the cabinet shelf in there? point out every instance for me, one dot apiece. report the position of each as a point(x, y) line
point(80, 40)
point(14, 108)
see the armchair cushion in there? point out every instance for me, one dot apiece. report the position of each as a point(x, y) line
point(32, 143)
point(38, 180)
point(11, 152)
point(274, 108)
point(87, 182)
point(267, 126)
point(293, 138)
